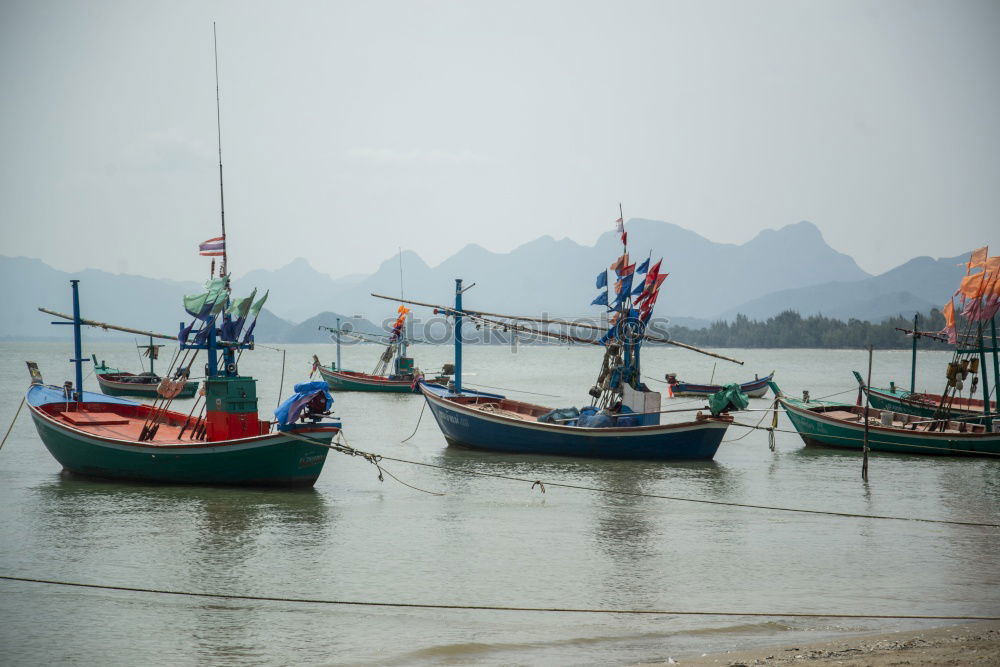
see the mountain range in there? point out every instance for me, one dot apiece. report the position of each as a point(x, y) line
point(788, 268)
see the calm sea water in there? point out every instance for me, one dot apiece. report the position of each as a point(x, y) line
point(488, 541)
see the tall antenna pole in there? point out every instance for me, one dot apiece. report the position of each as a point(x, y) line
point(218, 126)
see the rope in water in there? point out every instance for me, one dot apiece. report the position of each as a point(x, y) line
point(376, 459)
point(490, 607)
point(11, 427)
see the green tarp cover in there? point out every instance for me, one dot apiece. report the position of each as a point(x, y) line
point(730, 398)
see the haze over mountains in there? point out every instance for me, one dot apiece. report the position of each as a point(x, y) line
point(788, 268)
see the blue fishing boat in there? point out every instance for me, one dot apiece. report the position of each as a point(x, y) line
point(623, 420)
point(755, 388)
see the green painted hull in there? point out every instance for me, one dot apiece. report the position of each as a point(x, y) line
point(275, 459)
point(818, 430)
point(112, 388)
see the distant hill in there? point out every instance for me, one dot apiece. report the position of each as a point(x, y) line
point(914, 287)
point(791, 268)
point(557, 276)
point(128, 300)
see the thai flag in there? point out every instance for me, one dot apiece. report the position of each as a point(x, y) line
point(213, 247)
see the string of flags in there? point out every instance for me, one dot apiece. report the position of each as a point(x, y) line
point(640, 283)
point(979, 292)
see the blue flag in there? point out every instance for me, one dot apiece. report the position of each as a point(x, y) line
point(601, 300)
point(643, 267)
point(602, 279)
point(638, 290)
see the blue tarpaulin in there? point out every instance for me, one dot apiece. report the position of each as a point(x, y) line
point(291, 407)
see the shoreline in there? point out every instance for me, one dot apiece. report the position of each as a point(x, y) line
point(976, 643)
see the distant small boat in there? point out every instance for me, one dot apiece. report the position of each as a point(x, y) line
point(756, 388)
point(116, 382)
point(840, 425)
point(356, 381)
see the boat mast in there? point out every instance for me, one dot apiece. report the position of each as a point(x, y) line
point(218, 128)
point(913, 360)
point(458, 336)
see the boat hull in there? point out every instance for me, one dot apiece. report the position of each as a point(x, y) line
point(147, 390)
point(273, 459)
point(471, 428)
point(817, 429)
point(753, 389)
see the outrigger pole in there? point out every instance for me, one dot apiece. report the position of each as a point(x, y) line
point(105, 325)
point(452, 311)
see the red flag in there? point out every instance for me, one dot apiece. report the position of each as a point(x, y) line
point(627, 270)
point(624, 238)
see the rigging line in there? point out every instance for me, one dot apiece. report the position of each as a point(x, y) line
point(11, 427)
point(516, 391)
point(486, 607)
point(881, 442)
point(723, 503)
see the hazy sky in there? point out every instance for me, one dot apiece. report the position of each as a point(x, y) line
point(352, 128)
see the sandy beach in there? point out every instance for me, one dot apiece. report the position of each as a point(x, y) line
point(966, 644)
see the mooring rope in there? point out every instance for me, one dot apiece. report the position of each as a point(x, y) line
point(11, 427)
point(492, 607)
point(351, 451)
point(422, 408)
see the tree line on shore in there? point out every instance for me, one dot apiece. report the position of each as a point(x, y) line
point(790, 329)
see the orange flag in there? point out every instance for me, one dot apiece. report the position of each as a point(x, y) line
point(977, 259)
point(972, 286)
point(620, 263)
point(949, 321)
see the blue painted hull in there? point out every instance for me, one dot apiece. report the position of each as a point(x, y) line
point(468, 427)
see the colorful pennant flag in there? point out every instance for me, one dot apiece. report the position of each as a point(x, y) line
point(602, 279)
point(644, 267)
point(601, 300)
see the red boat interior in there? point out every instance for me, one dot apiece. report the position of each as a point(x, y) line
point(126, 422)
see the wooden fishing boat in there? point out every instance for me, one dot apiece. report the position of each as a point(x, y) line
point(623, 418)
point(492, 422)
point(841, 425)
point(394, 371)
point(355, 381)
point(756, 388)
point(114, 438)
point(922, 404)
point(114, 382)
point(98, 436)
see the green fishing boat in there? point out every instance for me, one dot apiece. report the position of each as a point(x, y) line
point(842, 425)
